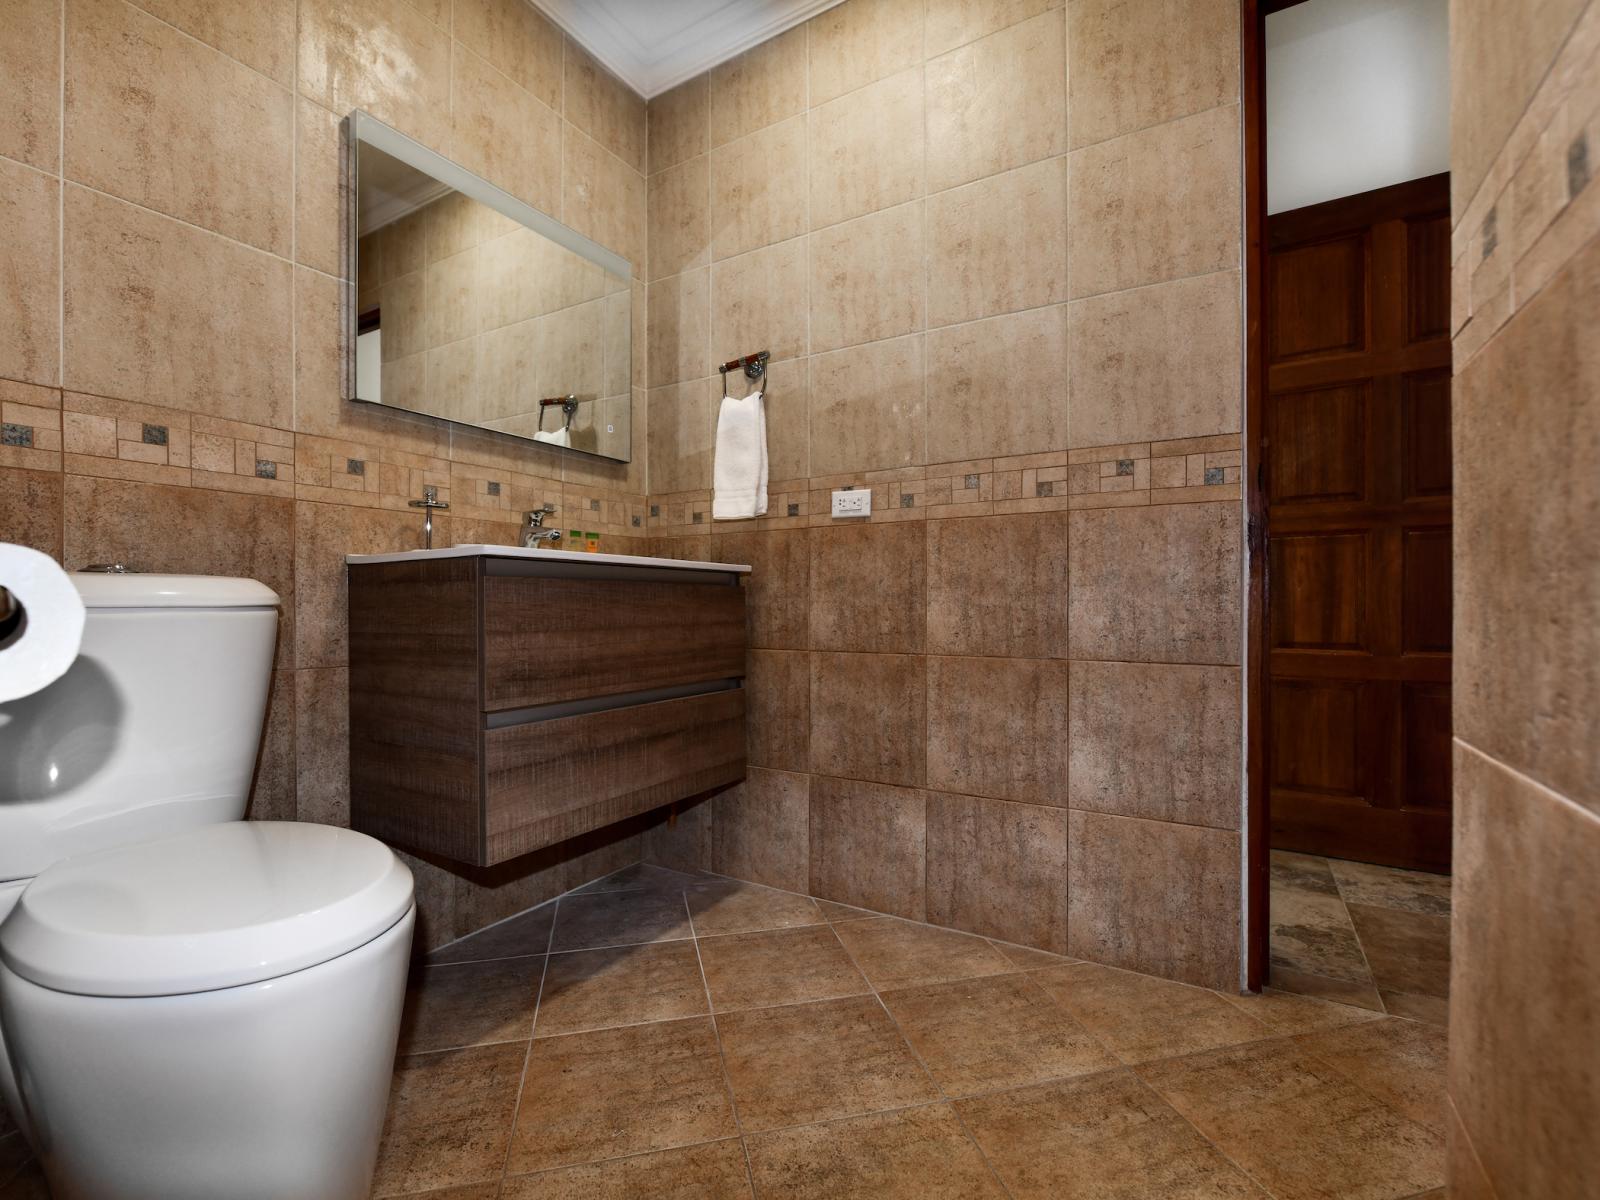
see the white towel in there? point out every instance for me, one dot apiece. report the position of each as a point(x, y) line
point(558, 437)
point(739, 473)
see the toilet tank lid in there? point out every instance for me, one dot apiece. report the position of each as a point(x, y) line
point(138, 590)
point(214, 907)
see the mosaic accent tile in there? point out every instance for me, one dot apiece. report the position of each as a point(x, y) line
point(794, 510)
point(699, 518)
point(36, 410)
point(635, 521)
point(494, 487)
point(1044, 488)
point(907, 500)
point(1124, 466)
point(154, 435)
point(265, 469)
point(655, 510)
point(1577, 165)
point(594, 505)
point(16, 435)
point(355, 466)
point(970, 482)
point(1213, 476)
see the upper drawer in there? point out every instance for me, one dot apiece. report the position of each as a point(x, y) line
point(550, 640)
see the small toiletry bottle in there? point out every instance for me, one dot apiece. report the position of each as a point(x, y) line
point(575, 540)
point(591, 543)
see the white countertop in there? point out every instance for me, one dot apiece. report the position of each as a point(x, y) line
point(566, 556)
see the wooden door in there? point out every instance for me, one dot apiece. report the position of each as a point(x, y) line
point(1356, 455)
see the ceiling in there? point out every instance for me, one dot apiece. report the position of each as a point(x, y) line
point(654, 45)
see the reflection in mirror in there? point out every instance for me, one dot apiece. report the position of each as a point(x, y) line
point(467, 312)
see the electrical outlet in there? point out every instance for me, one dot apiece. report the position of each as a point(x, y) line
point(853, 502)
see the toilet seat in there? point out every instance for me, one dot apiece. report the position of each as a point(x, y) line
point(215, 907)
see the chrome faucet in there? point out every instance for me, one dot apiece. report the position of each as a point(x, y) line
point(430, 501)
point(533, 531)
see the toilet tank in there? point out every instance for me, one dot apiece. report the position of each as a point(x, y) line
point(154, 728)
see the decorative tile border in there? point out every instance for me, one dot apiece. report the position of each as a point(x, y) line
point(30, 426)
point(337, 471)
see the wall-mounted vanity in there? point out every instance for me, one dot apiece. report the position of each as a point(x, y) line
point(504, 699)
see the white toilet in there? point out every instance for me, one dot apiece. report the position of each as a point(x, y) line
point(191, 1005)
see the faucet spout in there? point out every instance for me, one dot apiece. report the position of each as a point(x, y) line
point(430, 501)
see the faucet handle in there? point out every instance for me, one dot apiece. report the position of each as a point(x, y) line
point(535, 517)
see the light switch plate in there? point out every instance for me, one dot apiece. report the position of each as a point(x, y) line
point(852, 502)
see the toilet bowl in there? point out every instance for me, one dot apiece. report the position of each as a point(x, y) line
point(191, 1005)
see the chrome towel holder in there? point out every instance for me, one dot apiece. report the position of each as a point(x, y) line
point(753, 365)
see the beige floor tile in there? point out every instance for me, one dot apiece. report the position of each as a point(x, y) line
point(1286, 1012)
point(780, 966)
point(470, 1004)
point(1400, 1062)
point(895, 953)
point(998, 1031)
point(1390, 887)
point(525, 933)
point(1406, 951)
point(622, 985)
point(1028, 958)
point(746, 907)
point(814, 1062)
point(646, 877)
point(619, 919)
point(1357, 992)
point(843, 912)
point(712, 1171)
point(1435, 1010)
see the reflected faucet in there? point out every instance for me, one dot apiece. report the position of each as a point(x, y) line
point(534, 534)
point(430, 501)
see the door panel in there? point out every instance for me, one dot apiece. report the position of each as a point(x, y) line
point(1356, 450)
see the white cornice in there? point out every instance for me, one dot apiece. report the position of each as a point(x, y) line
point(654, 45)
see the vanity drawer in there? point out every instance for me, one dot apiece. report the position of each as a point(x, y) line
point(551, 640)
point(545, 781)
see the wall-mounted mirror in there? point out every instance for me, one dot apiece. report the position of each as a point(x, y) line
point(476, 308)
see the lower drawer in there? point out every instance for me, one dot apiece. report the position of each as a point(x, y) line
point(550, 780)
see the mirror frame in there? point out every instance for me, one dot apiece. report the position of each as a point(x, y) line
point(362, 127)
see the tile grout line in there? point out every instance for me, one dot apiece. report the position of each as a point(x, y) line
point(527, 1055)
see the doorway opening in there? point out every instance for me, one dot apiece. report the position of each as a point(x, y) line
point(1348, 436)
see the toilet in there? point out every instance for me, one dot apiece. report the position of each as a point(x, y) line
point(191, 1004)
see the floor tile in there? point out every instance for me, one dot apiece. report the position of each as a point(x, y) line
point(745, 907)
point(1289, 1012)
point(1435, 1010)
point(1400, 1062)
point(619, 919)
point(1302, 872)
point(997, 1031)
point(1140, 1018)
point(712, 1171)
point(525, 933)
point(895, 953)
point(1028, 958)
point(1298, 1125)
point(612, 1092)
point(813, 1062)
point(779, 966)
point(1390, 887)
point(1358, 993)
point(449, 1118)
point(1103, 1137)
point(834, 911)
point(621, 985)
point(468, 1004)
point(916, 1153)
point(645, 877)
point(1407, 951)
point(1311, 932)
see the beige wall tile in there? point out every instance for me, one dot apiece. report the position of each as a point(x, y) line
point(30, 345)
point(272, 788)
point(869, 846)
point(1154, 205)
point(952, 23)
point(604, 107)
point(998, 386)
point(1157, 741)
point(862, 41)
point(323, 535)
point(1156, 583)
point(322, 759)
point(30, 77)
point(1156, 362)
point(1142, 63)
point(778, 709)
point(679, 124)
point(680, 217)
point(504, 133)
point(867, 407)
point(603, 198)
point(32, 513)
point(998, 245)
point(680, 445)
point(199, 321)
point(778, 588)
point(787, 389)
point(760, 303)
point(868, 718)
point(998, 869)
point(259, 35)
point(867, 587)
point(998, 586)
point(680, 318)
point(998, 727)
point(867, 278)
point(866, 149)
point(975, 94)
point(758, 189)
point(516, 38)
point(1155, 898)
point(319, 193)
point(760, 87)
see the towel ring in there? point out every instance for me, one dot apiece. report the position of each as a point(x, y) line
point(755, 369)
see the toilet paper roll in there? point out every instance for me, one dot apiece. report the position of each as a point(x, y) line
point(39, 644)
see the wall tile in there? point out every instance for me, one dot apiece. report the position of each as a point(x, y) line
point(30, 66)
point(998, 386)
point(787, 388)
point(680, 329)
point(866, 279)
point(778, 709)
point(31, 515)
point(760, 87)
point(867, 588)
point(761, 304)
point(998, 586)
point(679, 124)
point(998, 727)
point(261, 37)
point(272, 788)
point(1156, 584)
point(861, 41)
point(1154, 205)
point(1140, 64)
point(868, 407)
point(1157, 362)
point(319, 196)
point(952, 23)
point(868, 717)
point(602, 197)
point(998, 869)
point(203, 321)
point(383, 56)
point(322, 767)
point(866, 149)
point(778, 588)
point(680, 437)
point(517, 39)
point(1156, 741)
point(998, 245)
point(869, 846)
point(976, 92)
point(324, 534)
point(30, 336)
point(758, 189)
point(604, 107)
point(505, 134)
point(1155, 898)
point(761, 830)
point(680, 218)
